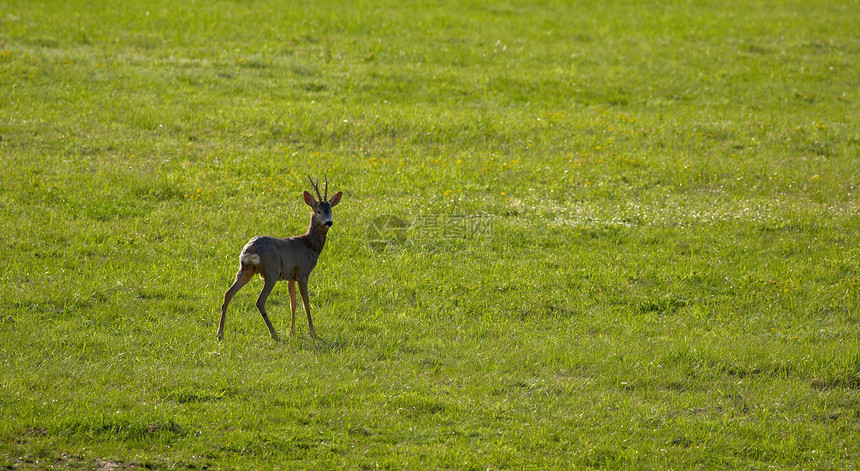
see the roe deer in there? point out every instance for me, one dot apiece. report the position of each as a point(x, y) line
point(290, 259)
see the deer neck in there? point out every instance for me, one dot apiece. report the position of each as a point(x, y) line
point(316, 236)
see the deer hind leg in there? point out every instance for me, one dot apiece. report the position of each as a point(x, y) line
point(261, 305)
point(243, 276)
point(303, 289)
point(292, 285)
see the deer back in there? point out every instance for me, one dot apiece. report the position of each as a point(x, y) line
point(283, 259)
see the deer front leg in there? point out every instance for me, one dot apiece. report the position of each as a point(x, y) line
point(292, 285)
point(261, 305)
point(303, 289)
point(243, 276)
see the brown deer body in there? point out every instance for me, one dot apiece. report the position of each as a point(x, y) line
point(291, 259)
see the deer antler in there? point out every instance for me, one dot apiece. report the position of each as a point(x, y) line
point(326, 188)
point(316, 187)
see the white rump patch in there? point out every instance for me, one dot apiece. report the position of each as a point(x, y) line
point(250, 259)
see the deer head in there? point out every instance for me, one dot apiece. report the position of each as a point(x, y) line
point(322, 206)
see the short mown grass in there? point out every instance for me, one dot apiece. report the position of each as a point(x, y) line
point(574, 235)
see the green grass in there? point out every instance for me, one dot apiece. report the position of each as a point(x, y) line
point(666, 271)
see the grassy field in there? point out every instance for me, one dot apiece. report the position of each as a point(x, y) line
point(573, 234)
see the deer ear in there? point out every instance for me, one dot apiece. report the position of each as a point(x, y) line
point(309, 200)
point(335, 199)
